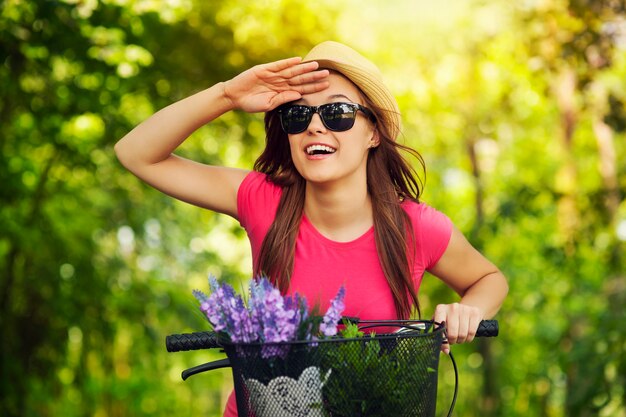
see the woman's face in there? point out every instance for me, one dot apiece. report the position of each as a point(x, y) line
point(323, 156)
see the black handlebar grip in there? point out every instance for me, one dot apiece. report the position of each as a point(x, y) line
point(488, 328)
point(191, 341)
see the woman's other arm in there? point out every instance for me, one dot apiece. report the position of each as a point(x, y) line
point(479, 282)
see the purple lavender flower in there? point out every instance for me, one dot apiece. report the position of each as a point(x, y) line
point(329, 323)
point(202, 299)
point(226, 311)
point(269, 317)
point(277, 317)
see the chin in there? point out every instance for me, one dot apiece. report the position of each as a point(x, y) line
point(317, 179)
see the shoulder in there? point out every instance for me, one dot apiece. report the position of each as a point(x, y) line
point(257, 197)
point(432, 230)
point(421, 214)
point(259, 182)
point(256, 179)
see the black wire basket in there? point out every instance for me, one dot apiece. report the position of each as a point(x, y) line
point(377, 375)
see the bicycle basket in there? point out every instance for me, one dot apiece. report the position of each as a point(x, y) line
point(376, 376)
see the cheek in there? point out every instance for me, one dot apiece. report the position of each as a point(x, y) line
point(369, 137)
point(292, 149)
point(295, 154)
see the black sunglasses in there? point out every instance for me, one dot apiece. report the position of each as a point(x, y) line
point(338, 117)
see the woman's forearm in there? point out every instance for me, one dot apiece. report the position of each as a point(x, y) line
point(156, 138)
point(488, 294)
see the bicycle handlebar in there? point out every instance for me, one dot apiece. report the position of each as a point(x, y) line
point(488, 328)
point(208, 340)
point(191, 341)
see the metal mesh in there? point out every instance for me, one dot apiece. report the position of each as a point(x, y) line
point(382, 376)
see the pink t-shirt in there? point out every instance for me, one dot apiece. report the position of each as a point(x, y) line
point(322, 266)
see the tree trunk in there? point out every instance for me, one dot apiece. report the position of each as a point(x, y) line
point(490, 398)
point(608, 163)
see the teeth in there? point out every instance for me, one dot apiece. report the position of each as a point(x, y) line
point(319, 149)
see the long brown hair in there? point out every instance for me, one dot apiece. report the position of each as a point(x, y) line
point(390, 180)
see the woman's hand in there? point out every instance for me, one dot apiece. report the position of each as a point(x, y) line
point(461, 322)
point(267, 86)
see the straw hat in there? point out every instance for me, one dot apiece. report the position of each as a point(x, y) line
point(363, 73)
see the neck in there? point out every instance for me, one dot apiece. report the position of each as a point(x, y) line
point(340, 213)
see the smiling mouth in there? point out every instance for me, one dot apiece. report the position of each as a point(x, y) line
point(319, 150)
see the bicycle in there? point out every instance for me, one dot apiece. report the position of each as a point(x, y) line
point(392, 373)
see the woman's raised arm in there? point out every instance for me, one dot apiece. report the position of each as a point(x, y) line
point(147, 150)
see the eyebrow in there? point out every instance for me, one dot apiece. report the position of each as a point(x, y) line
point(331, 97)
point(340, 96)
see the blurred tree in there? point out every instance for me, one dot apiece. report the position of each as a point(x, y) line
point(578, 46)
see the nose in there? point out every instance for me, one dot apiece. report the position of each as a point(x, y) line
point(316, 124)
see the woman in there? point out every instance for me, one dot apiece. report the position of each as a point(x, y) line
point(332, 202)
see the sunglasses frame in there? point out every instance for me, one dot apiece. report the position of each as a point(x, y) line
point(316, 109)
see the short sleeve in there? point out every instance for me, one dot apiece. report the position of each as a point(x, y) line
point(257, 201)
point(433, 230)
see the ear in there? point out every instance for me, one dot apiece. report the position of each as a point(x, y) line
point(375, 139)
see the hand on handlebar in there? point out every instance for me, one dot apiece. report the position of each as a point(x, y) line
point(461, 322)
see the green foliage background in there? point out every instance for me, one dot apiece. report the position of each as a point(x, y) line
point(517, 107)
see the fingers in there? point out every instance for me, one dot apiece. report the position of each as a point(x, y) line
point(290, 79)
point(461, 322)
point(305, 82)
point(462, 330)
point(295, 72)
point(309, 78)
point(267, 86)
point(290, 67)
point(473, 327)
point(312, 87)
point(441, 313)
point(278, 66)
point(441, 317)
point(299, 85)
point(284, 97)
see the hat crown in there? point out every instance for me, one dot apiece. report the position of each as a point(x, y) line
point(340, 53)
point(364, 74)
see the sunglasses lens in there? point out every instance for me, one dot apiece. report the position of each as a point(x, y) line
point(295, 119)
point(338, 116)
